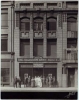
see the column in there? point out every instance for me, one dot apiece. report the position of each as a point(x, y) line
point(59, 48)
point(64, 77)
point(9, 29)
point(64, 33)
point(10, 72)
point(64, 21)
point(16, 44)
point(31, 35)
point(45, 5)
point(45, 37)
point(76, 77)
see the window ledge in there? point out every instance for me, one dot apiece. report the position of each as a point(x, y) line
point(6, 52)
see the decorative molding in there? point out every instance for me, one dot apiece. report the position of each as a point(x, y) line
point(59, 20)
point(64, 16)
point(17, 19)
point(31, 20)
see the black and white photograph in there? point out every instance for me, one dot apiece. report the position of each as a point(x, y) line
point(39, 46)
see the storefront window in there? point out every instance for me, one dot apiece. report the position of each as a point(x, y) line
point(5, 74)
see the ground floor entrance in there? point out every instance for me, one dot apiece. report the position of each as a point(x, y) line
point(71, 77)
point(38, 72)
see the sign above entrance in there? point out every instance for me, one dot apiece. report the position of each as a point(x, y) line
point(38, 65)
point(38, 59)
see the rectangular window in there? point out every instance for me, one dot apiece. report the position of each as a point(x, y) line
point(51, 26)
point(25, 48)
point(38, 48)
point(38, 26)
point(3, 44)
point(5, 72)
point(51, 48)
point(4, 17)
point(25, 26)
point(72, 26)
point(71, 43)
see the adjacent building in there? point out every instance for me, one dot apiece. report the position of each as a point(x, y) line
point(39, 39)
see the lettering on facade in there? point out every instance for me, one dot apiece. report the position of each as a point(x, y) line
point(38, 59)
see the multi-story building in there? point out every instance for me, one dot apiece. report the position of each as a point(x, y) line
point(39, 39)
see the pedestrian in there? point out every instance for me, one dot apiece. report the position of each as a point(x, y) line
point(32, 82)
point(29, 81)
point(19, 82)
point(54, 81)
point(47, 81)
point(25, 80)
point(15, 81)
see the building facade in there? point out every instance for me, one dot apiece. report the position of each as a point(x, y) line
point(39, 39)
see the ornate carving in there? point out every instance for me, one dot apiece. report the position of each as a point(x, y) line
point(60, 20)
point(31, 20)
point(64, 17)
point(44, 21)
point(17, 19)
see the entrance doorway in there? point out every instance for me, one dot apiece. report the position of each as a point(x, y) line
point(71, 77)
point(24, 71)
point(37, 72)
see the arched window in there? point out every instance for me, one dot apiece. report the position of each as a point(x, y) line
point(25, 24)
point(51, 24)
point(38, 24)
point(71, 24)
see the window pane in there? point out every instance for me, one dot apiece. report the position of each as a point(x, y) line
point(51, 25)
point(27, 50)
point(35, 26)
point(72, 26)
point(5, 74)
point(4, 20)
point(38, 26)
point(22, 26)
point(3, 44)
point(27, 26)
point(38, 48)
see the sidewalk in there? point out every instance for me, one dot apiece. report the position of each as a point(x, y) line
point(37, 89)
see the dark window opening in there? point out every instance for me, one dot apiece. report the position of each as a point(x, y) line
point(51, 48)
point(71, 43)
point(25, 25)
point(38, 48)
point(51, 24)
point(25, 48)
point(72, 24)
point(3, 44)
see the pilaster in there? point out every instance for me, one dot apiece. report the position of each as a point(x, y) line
point(76, 77)
point(16, 44)
point(9, 29)
point(31, 35)
point(59, 48)
point(45, 38)
point(64, 17)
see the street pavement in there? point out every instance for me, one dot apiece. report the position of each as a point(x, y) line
point(37, 89)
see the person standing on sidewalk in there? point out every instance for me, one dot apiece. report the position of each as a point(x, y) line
point(19, 82)
point(15, 81)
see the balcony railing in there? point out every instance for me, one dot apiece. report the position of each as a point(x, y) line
point(72, 34)
point(38, 34)
point(71, 54)
point(24, 34)
point(51, 34)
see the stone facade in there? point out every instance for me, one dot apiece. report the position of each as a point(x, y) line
point(58, 10)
